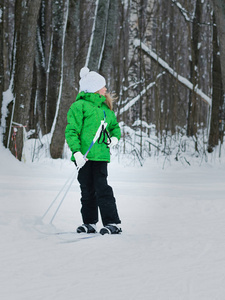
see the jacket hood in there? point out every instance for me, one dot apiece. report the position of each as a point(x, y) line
point(94, 98)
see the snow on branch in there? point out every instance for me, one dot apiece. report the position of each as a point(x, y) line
point(181, 79)
point(182, 10)
point(135, 99)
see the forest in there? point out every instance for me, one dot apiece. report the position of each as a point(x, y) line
point(164, 60)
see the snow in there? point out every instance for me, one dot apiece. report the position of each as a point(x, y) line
point(172, 245)
point(7, 98)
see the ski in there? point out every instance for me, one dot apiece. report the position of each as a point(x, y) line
point(74, 240)
point(69, 236)
point(72, 237)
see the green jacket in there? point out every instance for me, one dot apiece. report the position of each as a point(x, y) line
point(83, 120)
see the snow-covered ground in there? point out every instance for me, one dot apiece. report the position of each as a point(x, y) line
point(172, 246)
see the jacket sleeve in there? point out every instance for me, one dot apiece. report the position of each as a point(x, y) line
point(74, 126)
point(114, 128)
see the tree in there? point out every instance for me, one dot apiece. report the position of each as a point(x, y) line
point(67, 94)
point(24, 45)
point(54, 80)
point(97, 42)
point(219, 10)
point(42, 67)
point(1, 58)
point(194, 76)
point(111, 32)
point(217, 95)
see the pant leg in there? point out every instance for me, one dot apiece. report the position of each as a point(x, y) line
point(104, 194)
point(89, 207)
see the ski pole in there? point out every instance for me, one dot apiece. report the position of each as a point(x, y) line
point(67, 190)
point(56, 197)
point(98, 133)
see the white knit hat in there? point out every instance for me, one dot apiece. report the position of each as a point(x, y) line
point(90, 82)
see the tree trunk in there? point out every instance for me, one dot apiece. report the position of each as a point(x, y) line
point(110, 44)
point(68, 88)
point(121, 56)
point(97, 42)
point(41, 83)
point(7, 17)
point(1, 59)
point(219, 10)
point(217, 95)
point(42, 63)
point(55, 62)
point(192, 107)
point(25, 35)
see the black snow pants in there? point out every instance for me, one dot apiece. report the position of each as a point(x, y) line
point(96, 193)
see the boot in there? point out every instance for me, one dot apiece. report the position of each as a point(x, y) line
point(87, 228)
point(111, 229)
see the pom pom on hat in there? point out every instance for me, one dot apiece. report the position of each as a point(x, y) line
point(84, 71)
point(90, 82)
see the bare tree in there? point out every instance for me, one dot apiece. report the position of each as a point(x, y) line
point(98, 37)
point(194, 59)
point(1, 57)
point(42, 67)
point(217, 95)
point(55, 61)
point(111, 31)
point(219, 10)
point(68, 92)
point(24, 46)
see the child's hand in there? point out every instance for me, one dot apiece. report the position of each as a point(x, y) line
point(114, 142)
point(80, 160)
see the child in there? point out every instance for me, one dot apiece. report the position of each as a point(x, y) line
point(91, 110)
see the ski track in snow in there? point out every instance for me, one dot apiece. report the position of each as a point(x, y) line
point(172, 246)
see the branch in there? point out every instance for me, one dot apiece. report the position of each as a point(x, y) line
point(184, 81)
point(183, 11)
point(135, 99)
point(187, 15)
